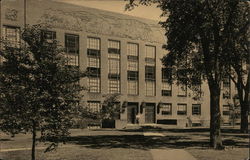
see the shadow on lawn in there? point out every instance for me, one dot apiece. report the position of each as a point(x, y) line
point(136, 142)
point(5, 139)
point(185, 140)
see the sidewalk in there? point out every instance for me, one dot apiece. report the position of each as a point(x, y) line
point(168, 154)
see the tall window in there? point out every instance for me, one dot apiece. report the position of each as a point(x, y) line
point(12, 35)
point(166, 109)
point(226, 90)
point(182, 88)
point(114, 66)
point(196, 109)
point(94, 106)
point(226, 110)
point(94, 72)
point(72, 49)
point(133, 68)
point(166, 87)
point(182, 109)
point(150, 70)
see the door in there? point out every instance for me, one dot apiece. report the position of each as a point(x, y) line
point(150, 113)
point(131, 114)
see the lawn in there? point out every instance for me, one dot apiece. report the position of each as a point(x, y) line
point(104, 144)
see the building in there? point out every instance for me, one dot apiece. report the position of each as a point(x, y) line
point(123, 54)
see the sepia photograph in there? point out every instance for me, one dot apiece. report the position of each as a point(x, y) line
point(124, 80)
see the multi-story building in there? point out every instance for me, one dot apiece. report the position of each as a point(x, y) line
point(123, 54)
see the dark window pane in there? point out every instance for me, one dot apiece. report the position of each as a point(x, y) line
point(132, 75)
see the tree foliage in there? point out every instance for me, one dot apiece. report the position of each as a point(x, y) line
point(200, 42)
point(39, 92)
point(110, 107)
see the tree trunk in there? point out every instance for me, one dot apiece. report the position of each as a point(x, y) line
point(244, 117)
point(215, 120)
point(33, 152)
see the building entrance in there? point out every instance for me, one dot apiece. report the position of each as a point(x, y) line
point(150, 113)
point(131, 113)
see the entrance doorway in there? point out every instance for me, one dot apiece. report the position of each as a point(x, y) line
point(131, 113)
point(150, 113)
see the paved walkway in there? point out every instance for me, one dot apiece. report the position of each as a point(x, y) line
point(168, 154)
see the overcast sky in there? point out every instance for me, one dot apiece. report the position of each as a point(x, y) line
point(150, 12)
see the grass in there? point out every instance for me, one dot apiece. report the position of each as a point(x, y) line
point(107, 144)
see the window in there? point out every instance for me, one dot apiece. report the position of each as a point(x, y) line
point(93, 72)
point(166, 74)
point(114, 86)
point(132, 65)
point(182, 90)
point(93, 43)
point(166, 109)
point(182, 109)
point(94, 106)
point(150, 52)
point(150, 56)
point(72, 49)
point(196, 109)
point(166, 87)
point(133, 68)
point(93, 62)
point(132, 75)
point(114, 66)
point(113, 47)
point(12, 35)
point(150, 73)
point(150, 88)
point(226, 110)
point(226, 91)
point(150, 70)
point(93, 55)
point(94, 84)
point(132, 49)
point(49, 36)
point(132, 87)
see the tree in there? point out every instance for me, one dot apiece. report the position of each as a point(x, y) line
point(39, 92)
point(197, 34)
point(238, 58)
point(110, 107)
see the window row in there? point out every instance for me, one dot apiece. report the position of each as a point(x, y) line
point(166, 109)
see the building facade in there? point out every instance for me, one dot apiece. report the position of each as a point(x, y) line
point(123, 55)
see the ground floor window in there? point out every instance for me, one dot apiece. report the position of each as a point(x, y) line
point(182, 109)
point(94, 106)
point(226, 110)
point(166, 109)
point(196, 109)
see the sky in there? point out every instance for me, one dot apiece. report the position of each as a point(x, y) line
point(149, 12)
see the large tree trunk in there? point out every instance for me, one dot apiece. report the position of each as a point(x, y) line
point(215, 120)
point(244, 117)
point(33, 152)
